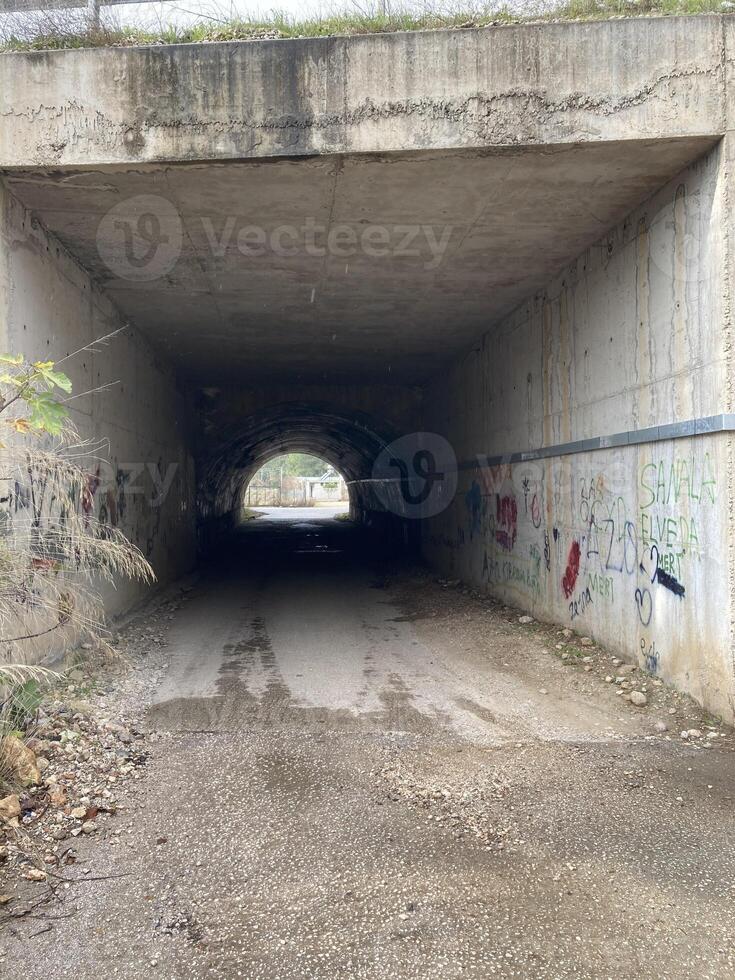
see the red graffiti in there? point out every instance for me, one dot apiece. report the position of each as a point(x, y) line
point(506, 515)
point(570, 575)
point(88, 492)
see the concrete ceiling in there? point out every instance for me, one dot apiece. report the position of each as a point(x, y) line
point(283, 309)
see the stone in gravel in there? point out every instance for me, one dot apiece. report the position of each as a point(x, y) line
point(661, 726)
point(608, 679)
point(525, 619)
point(3, 854)
point(20, 761)
point(9, 809)
point(89, 827)
point(694, 733)
point(587, 641)
point(4, 899)
point(711, 734)
point(35, 874)
point(638, 699)
point(685, 735)
point(79, 812)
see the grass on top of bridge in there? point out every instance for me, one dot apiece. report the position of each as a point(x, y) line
point(56, 29)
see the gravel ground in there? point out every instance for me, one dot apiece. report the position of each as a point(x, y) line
point(354, 771)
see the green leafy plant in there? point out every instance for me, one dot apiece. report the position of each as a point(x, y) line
point(33, 387)
point(24, 700)
point(53, 552)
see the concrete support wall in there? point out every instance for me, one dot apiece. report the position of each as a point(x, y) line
point(524, 84)
point(632, 543)
point(140, 469)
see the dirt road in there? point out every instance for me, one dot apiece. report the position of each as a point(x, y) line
point(358, 772)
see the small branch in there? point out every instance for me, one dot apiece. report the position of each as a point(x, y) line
point(92, 344)
point(30, 636)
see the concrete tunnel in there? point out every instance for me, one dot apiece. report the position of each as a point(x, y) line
point(304, 257)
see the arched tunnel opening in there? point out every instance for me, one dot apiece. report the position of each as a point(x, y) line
point(374, 524)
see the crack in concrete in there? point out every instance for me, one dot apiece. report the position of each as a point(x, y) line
point(512, 116)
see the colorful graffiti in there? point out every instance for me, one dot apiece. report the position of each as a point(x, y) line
point(506, 517)
point(624, 542)
point(571, 573)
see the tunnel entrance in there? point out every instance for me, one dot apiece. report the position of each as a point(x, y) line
point(350, 305)
point(295, 482)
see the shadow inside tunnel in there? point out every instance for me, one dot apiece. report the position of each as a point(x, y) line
point(324, 539)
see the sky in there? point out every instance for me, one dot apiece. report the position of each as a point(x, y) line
point(183, 12)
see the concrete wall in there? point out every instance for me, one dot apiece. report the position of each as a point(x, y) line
point(141, 472)
point(523, 84)
point(630, 544)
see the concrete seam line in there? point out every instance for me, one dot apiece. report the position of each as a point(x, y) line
point(706, 425)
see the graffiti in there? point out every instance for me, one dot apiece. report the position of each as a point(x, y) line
point(88, 493)
point(473, 503)
point(660, 574)
point(506, 516)
point(590, 541)
point(578, 606)
point(682, 479)
point(612, 536)
point(651, 656)
point(591, 490)
point(535, 511)
point(671, 533)
point(602, 585)
point(569, 581)
point(526, 484)
point(670, 583)
point(517, 573)
point(644, 604)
